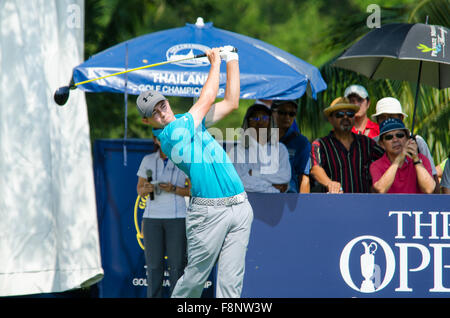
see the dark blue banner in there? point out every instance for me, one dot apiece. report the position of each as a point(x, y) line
point(301, 245)
point(349, 245)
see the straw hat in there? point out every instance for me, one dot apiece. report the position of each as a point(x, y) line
point(340, 103)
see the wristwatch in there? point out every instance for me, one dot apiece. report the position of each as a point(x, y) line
point(417, 162)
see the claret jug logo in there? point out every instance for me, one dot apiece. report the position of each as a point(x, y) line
point(418, 256)
point(365, 251)
point(187, 50)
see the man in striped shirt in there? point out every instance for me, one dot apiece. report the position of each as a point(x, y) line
point(340, 161)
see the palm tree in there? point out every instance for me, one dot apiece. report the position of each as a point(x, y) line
point(433, 111)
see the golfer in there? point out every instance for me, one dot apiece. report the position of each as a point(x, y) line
point(219, 215)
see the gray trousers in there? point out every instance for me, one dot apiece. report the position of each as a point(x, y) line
point(164, 237)
point(215, 234)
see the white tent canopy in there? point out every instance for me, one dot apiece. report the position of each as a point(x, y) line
point(48, 230)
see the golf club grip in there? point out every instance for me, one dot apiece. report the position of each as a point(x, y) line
point(204, 54)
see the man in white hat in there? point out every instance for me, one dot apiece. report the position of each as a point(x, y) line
point(358, 95)
point(389, 107)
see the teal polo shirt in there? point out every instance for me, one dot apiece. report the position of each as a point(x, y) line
point(200, 157)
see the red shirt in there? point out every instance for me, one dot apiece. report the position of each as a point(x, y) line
point(406, 177)
point(371, 130)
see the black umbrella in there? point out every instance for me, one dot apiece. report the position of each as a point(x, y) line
point(411, 52)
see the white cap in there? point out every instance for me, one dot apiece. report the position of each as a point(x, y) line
point(388, 105)
point(356, 89)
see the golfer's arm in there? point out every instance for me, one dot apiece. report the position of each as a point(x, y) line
point(231, 98)
point(424, 179)
point(207, 96)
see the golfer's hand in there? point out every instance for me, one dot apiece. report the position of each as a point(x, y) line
point(227, 54)
point(213, 56)
point(334, 187)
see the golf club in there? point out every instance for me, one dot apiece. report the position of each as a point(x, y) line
point(62, 94)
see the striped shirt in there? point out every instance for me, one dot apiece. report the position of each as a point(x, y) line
point(348, 167)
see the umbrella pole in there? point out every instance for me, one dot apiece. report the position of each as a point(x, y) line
point(416, 97)
point(125, 97)
point(417, 91)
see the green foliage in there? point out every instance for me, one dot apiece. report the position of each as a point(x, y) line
point(432, 115)
point(316, 31)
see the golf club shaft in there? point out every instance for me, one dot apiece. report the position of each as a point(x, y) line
point(139, 68)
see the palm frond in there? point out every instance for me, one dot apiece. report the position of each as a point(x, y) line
point(433, 111)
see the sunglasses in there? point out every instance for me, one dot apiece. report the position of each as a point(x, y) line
point(260, 118)
point(290, 114)
point(391, 136)
point(341, 114)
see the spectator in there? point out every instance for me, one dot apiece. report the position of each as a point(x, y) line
point(340, 161)
point(164, 226)
point(445, 180)
point(401, 169)
point(390, 107)
point(440, 168)
point(358, 95)
point(260, 159)
point(298, 145)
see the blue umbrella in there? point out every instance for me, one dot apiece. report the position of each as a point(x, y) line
point(267, 72)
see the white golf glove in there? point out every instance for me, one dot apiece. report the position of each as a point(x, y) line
point(227, 54)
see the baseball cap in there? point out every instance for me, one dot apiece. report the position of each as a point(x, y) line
point(392, 124)
point(278, 103)
point(388, 105)
point(147, 100)
point(356, 89)
point(339, 104)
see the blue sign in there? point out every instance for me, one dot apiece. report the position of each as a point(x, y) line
point(301, 245)
point(349, 245)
